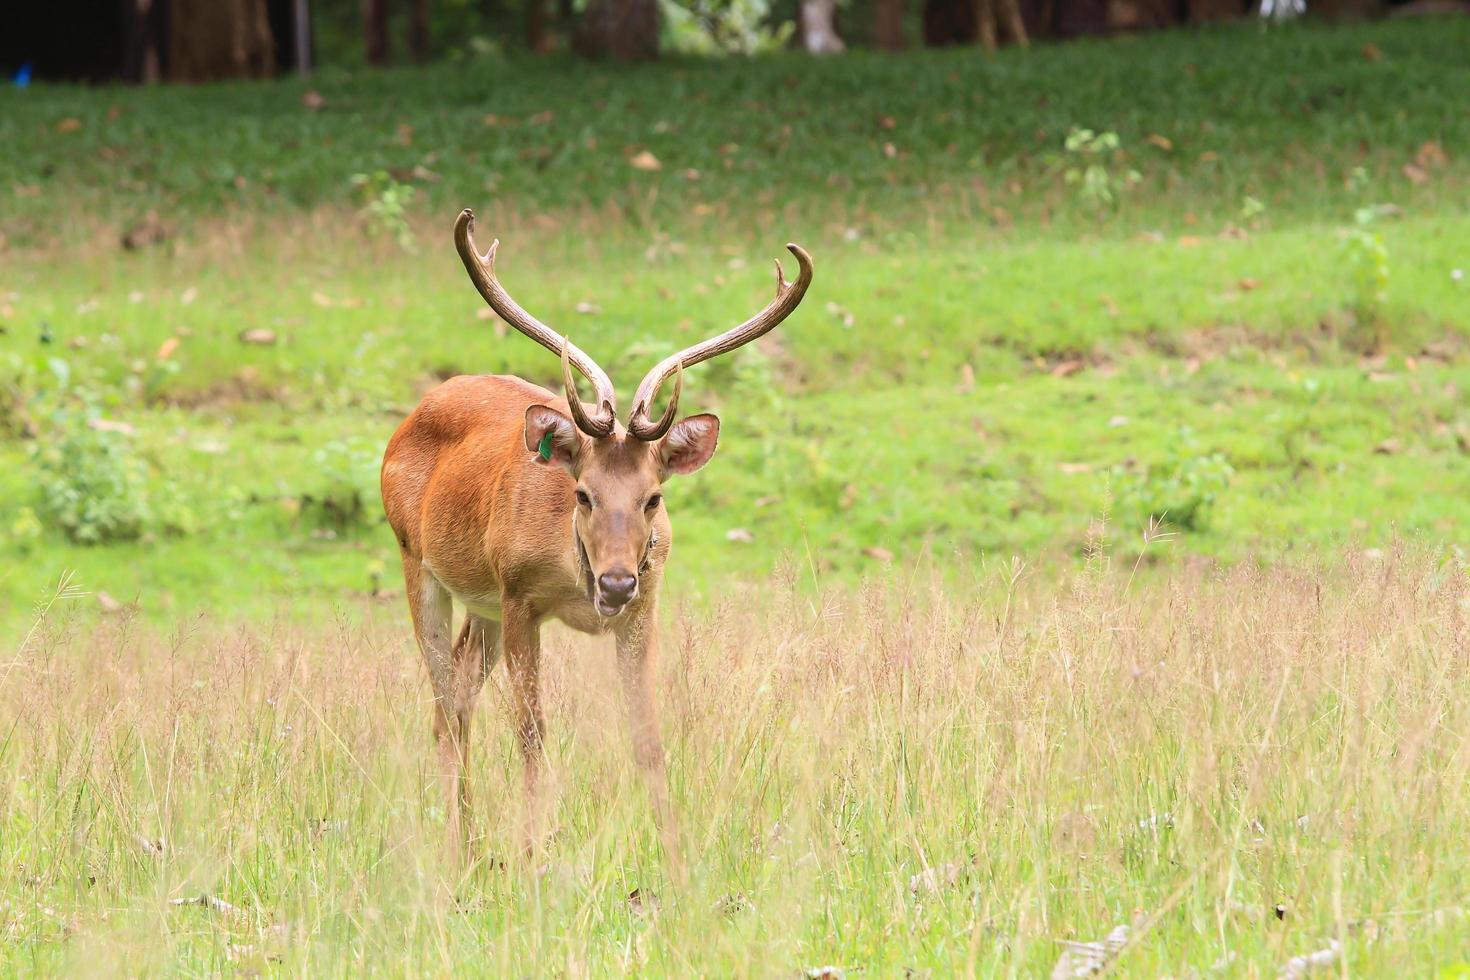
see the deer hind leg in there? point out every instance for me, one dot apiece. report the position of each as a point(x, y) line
point(475, 653)
point(430, 604)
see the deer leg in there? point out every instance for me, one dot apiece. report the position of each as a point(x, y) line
point(638, 670)
point(429, 603)
point(475, 652)
point(521, 641)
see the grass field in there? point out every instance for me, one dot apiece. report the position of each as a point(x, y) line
point(1221, 419)
point(906, 779)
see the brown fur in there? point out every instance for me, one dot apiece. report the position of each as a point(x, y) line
point(482, 519)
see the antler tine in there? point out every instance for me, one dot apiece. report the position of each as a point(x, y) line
point(788, 297)
point(588, 424)
point(482, 273)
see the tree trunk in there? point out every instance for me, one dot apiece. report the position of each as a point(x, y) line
point(211, 39)
point(948, 22)
point(375, 31)
point(1010, 10)
point(888, 25)
point(538, 39)
point(623, 30)
point(818, 34)
point(146, 43)
point(418, 31)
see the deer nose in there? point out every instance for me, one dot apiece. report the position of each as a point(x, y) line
point(617, 587)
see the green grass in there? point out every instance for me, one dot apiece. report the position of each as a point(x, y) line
point(984, 367)
point(1283, 115)
point(920, 402)
point(1242, 765)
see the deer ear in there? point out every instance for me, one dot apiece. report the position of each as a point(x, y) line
point(689, 444)
point(552, 436)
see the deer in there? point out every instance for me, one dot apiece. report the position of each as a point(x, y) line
point(524, 507)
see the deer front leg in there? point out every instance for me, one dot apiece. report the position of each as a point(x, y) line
point(521, 641)
point(638, 669)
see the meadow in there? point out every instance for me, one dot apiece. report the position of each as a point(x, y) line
point(1087, 551)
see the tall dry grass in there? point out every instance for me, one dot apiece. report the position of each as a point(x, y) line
point(1242, 765)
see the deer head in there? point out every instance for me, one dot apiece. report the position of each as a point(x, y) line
point(619, 472)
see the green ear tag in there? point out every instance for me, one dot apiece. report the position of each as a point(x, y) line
point(545, 448)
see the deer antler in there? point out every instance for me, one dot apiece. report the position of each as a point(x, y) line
point(595, 423)
point(788, 297)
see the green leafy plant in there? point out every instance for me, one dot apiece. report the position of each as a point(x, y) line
point(1179, 490)
point(1100, 182)
point(95, 490)
point(1367, 264)
point(383, 203)
point(345, 493)
point(729, 27)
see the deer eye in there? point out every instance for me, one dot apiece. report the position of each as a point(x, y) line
point(653, 502)
point(583, 500)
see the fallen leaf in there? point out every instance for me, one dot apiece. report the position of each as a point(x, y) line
point(1162, 142)
point(1209, 156)
point(405, 134)
point(154, 848)
point(1372, 52)
point(1117, 421)
point(642, 902)
point(1074, 469)
point(1247, 284)
point(1299, 966)
point(214, 905)
point(167, 348)
point(321, 299)
point(188, 296)
point(931, 880)
point(1431, 155)
point(258, 336)
point(111, 425)
point(967, 378)
point(587, 308)
point(541, 118)
point(890, 151)
point(643, 160)
point(313, 100)
point(1066, 369)
point(739, 534)
point(1085, 959)
point(887, 122)
point(69, 125)
point(1388, 447)
point(108, 604)
point(1188, 241)
point(878, 554)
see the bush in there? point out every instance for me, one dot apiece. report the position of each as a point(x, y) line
point(346, 492)
point(1180, 490)
point(91, 489)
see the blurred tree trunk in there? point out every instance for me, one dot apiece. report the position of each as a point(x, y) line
point(1010, 13)
point(538, 38)
point(818, 32)
point(623, 30)
point(210, 39)
point(375, 31)
point(418, 31)
point(888, 25)
point(147, 33)
point(948, 22)
point(985, 23)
